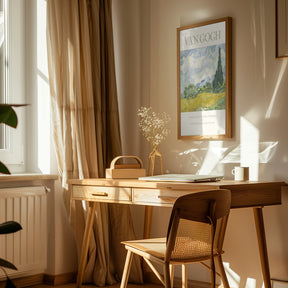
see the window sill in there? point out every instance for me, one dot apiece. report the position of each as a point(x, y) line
point(26, 177)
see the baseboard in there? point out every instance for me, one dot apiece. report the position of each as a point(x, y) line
point(60, 279)
point(39, 279)
point(26, 281)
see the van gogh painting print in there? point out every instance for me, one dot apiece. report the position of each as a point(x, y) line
point(204, 80)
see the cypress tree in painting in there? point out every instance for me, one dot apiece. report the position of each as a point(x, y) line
point(218, 78)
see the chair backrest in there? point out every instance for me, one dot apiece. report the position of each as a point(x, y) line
point(198, 222)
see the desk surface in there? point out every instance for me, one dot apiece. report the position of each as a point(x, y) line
point(162, 184)
point(243, 194)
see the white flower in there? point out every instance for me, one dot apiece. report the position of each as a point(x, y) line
point(153, 125)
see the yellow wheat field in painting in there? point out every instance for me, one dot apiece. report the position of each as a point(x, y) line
point(204, 101)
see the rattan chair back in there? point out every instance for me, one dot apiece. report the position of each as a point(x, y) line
point(196, 224)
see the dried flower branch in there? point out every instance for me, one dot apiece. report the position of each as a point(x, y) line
point(153, 125)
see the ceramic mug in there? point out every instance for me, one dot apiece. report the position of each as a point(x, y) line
point(240, 173)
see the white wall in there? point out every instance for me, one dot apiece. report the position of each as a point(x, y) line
point(146, 51)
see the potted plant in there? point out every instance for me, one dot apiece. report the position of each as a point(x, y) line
point(8, 117)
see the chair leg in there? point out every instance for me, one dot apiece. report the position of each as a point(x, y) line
point(126, 270)
point(166, 276)
point(222, 272)
point(171, 274)
point(212, 278)
point(184, 276)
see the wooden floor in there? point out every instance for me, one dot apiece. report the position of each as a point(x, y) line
point(73, 285)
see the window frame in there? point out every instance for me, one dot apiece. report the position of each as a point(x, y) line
point(13, 153)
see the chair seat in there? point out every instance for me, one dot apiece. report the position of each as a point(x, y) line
point(153, 246)
point(156, 247)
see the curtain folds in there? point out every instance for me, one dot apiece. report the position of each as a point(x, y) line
point(86, 125)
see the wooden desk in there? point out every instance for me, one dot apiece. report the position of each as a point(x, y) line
point(243, 194)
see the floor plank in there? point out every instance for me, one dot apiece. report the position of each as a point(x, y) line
point(73, 285)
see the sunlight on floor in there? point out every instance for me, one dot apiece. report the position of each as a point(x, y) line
point(234, 278)
point(250, 283)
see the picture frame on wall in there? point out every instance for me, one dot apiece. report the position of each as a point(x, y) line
point(204, 80)
point(281, 28)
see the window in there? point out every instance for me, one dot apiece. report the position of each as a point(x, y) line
point(12, 80)
point(24, 71)
point(2, 67)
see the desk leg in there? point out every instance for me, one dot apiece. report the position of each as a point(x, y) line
point(260, 229)
point(85, 244)
point(147, 222)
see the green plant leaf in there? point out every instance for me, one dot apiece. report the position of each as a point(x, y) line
point(8, 116)
point(7, 264)
point(4, 169)
point(9, 283)
point(9, 227)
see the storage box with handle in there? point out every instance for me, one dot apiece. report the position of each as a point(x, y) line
point(125, 171)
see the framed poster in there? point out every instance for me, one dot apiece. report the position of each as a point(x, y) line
point(281, 28)
point(204, 80)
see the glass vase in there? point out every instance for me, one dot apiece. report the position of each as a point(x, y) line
point(155, 163)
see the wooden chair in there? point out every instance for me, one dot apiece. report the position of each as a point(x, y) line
point(195, 234)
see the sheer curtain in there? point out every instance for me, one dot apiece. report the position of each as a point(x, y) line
point(86, 125)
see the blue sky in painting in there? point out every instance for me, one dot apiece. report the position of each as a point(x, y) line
point(199, 65)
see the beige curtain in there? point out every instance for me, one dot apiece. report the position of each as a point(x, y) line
point(86, 124)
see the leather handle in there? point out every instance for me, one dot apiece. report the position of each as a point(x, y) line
point(113, 162)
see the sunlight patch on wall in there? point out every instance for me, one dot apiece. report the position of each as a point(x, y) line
point(208, 158)
point(43, 91)
point(279, 79)
point(212, 158)
point(249, 155)
point(187, 152)
point(265, 154)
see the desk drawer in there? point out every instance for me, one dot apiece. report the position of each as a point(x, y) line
point(157, 197)
point(102, 194)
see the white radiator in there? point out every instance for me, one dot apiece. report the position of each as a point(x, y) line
point(26, 249)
